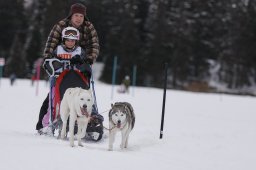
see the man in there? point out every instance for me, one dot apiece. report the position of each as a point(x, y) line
point(88, 35)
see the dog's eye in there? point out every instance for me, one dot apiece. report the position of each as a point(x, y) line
point(82, 99)
point(115, 114)
point(122, 114)
point(88, 100)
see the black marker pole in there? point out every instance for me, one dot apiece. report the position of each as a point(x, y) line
point(164, 98)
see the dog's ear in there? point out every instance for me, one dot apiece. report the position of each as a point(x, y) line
point(91, 93)
point(79, 91)
point(74, 91)
point(126, 107)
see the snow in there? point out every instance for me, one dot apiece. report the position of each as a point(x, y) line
point(201, 132)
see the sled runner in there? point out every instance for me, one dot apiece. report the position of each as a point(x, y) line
point(64, 75)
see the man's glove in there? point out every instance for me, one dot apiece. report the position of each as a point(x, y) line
point(88, 61)
point(85, 69)
point(76, 60)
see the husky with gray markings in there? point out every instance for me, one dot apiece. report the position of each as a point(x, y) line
point(121, 119)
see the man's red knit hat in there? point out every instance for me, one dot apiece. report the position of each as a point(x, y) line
point(77, 8)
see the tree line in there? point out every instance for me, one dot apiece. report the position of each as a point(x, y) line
point(203, 42)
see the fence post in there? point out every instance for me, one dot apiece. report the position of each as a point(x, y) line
point(114, 76)
point(134, 75)
point(1, 73)
point(38, 69)
point(2, 63)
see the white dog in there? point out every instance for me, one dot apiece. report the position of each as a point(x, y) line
point(77, 105)
point(121, 118)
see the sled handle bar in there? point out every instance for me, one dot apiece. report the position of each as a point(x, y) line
point(50, 68)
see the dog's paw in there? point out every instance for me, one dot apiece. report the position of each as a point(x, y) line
point(110, 147)
point(72, 144)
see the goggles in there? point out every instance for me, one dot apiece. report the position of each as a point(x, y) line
point(71, 34)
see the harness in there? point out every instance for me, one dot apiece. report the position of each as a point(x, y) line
point(109, 129)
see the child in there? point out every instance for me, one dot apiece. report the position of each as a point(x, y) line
point(69, 49)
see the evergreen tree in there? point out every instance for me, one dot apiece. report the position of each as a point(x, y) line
point(12, 28)
point(123, 38)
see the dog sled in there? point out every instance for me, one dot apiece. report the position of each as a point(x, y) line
point(63, 75)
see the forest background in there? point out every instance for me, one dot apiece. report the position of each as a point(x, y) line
point(209, 45)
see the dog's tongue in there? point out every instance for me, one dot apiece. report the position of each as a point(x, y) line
point(84, 112)
point(118, 125)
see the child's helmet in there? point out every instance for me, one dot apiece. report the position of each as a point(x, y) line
point(70, 33)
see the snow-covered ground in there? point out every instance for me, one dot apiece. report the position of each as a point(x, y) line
point(201, 132)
